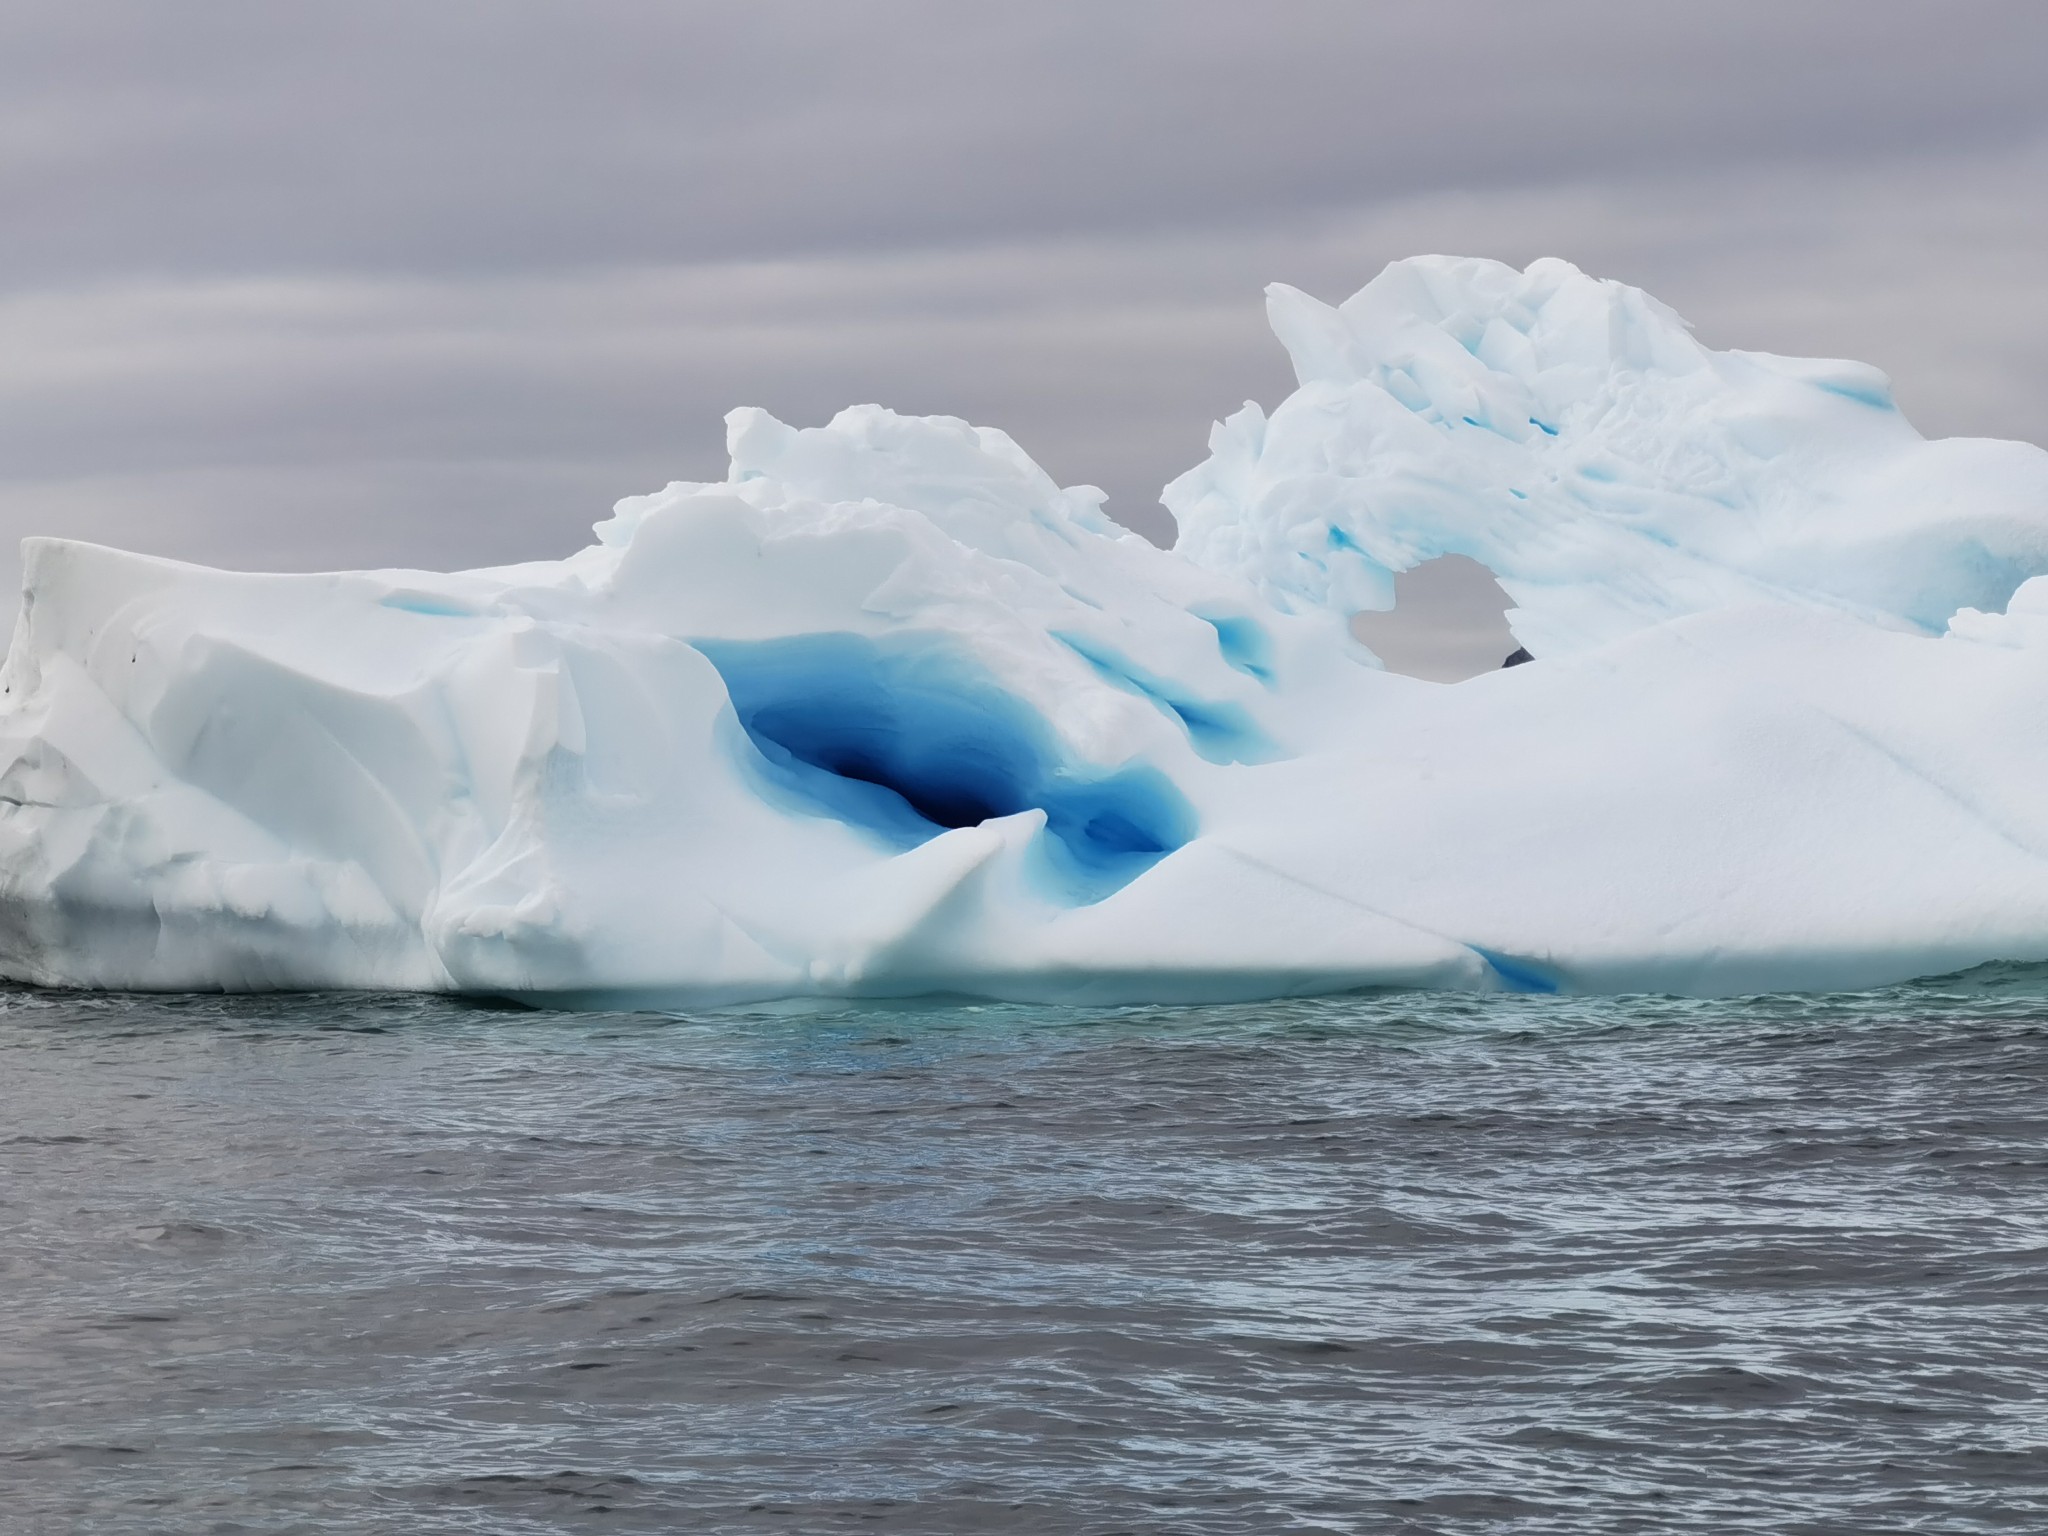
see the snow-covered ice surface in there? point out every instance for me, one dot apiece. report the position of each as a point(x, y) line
point(888, 712)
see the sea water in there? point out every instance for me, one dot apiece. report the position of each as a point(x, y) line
point(1397, 1262)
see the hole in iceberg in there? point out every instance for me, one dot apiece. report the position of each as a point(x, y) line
point(1448, 622)
point(905, 737)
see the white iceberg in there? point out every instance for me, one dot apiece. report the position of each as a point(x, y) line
point(888, 712)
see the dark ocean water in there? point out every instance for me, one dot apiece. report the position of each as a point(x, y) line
point(1405, 1263)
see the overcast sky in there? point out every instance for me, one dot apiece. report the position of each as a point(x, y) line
point(436, 281)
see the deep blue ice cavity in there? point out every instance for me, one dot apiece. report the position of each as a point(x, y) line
point(1518, 974)
point(1220, 732)
point(905, 736)
point(1244, 643)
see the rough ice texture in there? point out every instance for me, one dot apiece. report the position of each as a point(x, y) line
point(888, 712)
point(1614, 473)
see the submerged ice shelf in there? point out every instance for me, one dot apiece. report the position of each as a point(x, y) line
point(889, 712)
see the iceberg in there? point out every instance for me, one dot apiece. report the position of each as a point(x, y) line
point(888, 712)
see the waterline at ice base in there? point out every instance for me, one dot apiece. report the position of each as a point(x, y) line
point(889, 713)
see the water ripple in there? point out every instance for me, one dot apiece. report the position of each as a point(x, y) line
point(1404, 1263)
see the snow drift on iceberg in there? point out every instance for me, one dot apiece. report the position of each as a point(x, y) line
point(889, 712)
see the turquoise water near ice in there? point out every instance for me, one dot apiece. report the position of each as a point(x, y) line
point(1395, 1262)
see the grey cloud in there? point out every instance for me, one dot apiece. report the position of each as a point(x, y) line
point(238, 135)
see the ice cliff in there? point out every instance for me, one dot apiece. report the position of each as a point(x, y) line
point(889, 712)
